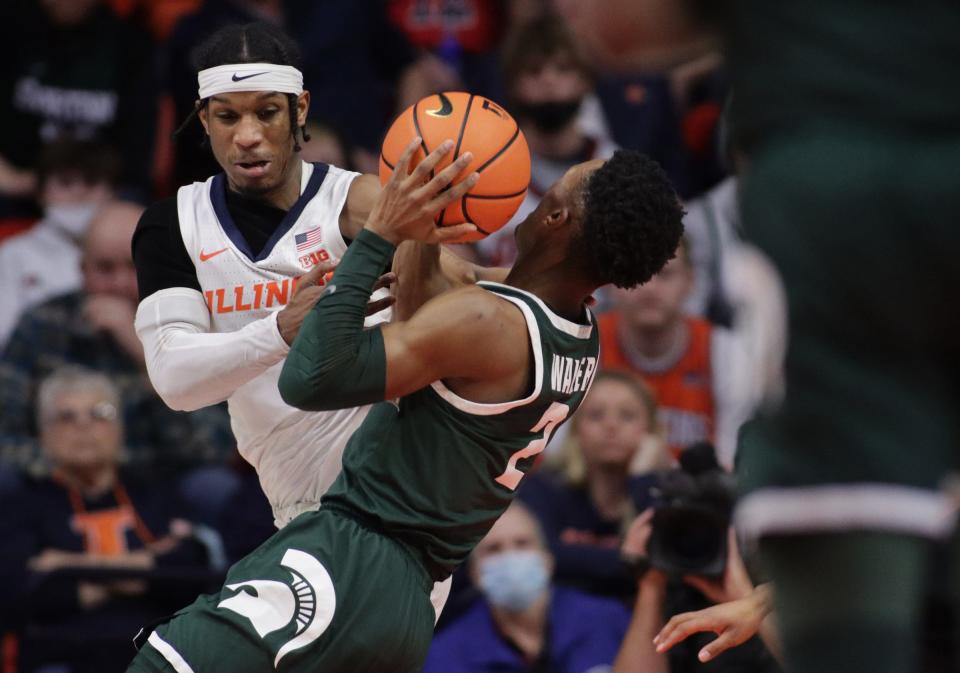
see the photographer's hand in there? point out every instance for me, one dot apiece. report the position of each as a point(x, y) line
point(734, 622)
point(633, 549)
point(734, 584)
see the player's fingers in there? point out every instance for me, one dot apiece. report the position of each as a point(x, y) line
point(724, 642)
point(447, 197)
point(380, 304)
point(422, 172)
point(678, 629)
point(442, 179)
point(452, 233)
point(667, 629)
point(386, 280)
point(310, 295)
point(314, 275)
point(402, 168)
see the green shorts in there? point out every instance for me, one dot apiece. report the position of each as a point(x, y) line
point(324, 594)
point(863, 232)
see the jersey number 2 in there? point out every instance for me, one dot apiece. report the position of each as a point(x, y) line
point(552, 417)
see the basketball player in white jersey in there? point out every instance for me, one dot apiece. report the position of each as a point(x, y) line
point(228, 269)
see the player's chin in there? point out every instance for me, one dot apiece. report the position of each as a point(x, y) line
point(254, 178)
point(253, 171)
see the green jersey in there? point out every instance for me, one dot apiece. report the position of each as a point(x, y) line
point(857, 67)
point(434, 471)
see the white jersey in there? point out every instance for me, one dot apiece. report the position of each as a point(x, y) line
point(297, 454)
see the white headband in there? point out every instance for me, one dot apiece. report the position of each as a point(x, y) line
point(249, 77)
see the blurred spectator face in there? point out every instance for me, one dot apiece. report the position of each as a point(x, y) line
point(107, 260)
point(80, 430)
point(631, 35)
point(556, 78)
point(545, 77)
point(70, 202)
point(611, 423)
point(548, 93)
point(76, 178)
point(251, 139)
point(68, 13)
point(511, 564)
point(658, 303)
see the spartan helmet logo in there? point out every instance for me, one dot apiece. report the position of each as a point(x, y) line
point(269, 605)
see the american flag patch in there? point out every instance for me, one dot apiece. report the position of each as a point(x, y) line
point(307, 239)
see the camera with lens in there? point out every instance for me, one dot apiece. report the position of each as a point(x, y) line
point(693, 505)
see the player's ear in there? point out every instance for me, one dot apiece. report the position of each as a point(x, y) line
point(303, 106)
point(557, 217)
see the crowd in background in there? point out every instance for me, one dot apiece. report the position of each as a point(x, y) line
point(116, 510)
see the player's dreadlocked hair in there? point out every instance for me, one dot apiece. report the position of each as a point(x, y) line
point(631, 220)
point(249, 43)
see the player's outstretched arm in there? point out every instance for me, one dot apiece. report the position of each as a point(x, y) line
point(192, 367)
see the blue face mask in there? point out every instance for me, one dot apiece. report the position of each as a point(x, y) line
point(513, 580)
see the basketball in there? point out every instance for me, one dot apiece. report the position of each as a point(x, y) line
point(478, 125)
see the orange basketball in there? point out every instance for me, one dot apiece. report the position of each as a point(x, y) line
point(478, 125)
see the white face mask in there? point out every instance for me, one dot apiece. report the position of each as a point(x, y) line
point(513, 580)
point(71, 218)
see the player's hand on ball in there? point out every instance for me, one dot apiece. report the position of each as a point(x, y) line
point(308, 292)
point(410, 200)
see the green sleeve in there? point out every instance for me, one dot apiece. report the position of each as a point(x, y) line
point(334, 363)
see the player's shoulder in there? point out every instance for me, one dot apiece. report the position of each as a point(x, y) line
point(161, 214)
point(157, 224)
point(363, 191)
point(481, 306)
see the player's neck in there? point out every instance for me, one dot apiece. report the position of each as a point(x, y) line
point(565, 295)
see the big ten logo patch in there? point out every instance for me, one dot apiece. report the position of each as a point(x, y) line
point(311, 259)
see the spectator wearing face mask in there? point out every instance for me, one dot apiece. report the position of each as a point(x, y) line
point(523, 622)
point(550, 93)
point(75, 179)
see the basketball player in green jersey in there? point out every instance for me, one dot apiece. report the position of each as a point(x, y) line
point(471, 387)
point(849, 116)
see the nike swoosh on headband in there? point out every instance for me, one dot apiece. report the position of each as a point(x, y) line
point(240, 79)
